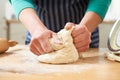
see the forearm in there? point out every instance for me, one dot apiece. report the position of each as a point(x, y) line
point(91, 20)
point(100, 7)
point(31, 21)
point(95, 13)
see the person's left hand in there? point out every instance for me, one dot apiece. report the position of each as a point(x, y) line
point(81, 36)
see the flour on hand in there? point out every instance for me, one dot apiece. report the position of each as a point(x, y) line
point(65, 53)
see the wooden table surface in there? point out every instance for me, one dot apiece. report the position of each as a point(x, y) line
point(18, 63)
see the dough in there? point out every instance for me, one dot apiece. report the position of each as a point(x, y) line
point(113, 56)
point(65, 53)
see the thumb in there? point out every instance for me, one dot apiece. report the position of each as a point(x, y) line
point(69, 25)
point(57, 39)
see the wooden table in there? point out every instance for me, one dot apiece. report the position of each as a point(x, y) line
point(19, 63)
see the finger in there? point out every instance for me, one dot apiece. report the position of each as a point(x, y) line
point(83, 49)
point(79, 38)
point(57, 40)
point(46, 46)
point(82, 43)
point(36, 46)
point(78, 30)
point(69, 25)
point(82, 37)
point(39, 48)
point(33, 50)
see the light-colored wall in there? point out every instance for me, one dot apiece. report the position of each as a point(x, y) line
point(2, 20)
point(17, 29)
point(2, 9)
point(2, 2)
point(104, 30)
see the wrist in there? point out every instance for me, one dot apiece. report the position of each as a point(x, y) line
point(37, 30)
point(91, 20)
point(84, 25)
point(31, 21)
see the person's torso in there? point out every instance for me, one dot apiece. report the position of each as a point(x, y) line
point(56, 13)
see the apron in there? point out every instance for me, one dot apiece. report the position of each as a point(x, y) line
point(56, 13)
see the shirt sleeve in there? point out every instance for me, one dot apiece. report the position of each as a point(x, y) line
point(19, 5)
point(100, 7)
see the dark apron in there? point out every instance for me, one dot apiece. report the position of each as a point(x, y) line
point(56, 13)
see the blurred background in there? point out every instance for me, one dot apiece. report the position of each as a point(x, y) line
point(12, 29)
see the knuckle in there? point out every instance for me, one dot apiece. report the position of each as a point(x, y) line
point(48, 50)
point(70, 24)
point(31, 49)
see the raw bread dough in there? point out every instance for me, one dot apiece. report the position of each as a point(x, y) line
point(113, 56)
point(65, 53)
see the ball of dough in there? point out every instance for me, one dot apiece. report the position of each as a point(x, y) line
point(66, 53)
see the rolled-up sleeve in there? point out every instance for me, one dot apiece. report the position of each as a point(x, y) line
point(100, 7)
point(19, 5)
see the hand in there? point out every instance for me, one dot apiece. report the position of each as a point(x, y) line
point(81, 36)
point(40, 42)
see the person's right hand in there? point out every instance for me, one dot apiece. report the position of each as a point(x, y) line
point(40, 41)
point(40, 35)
